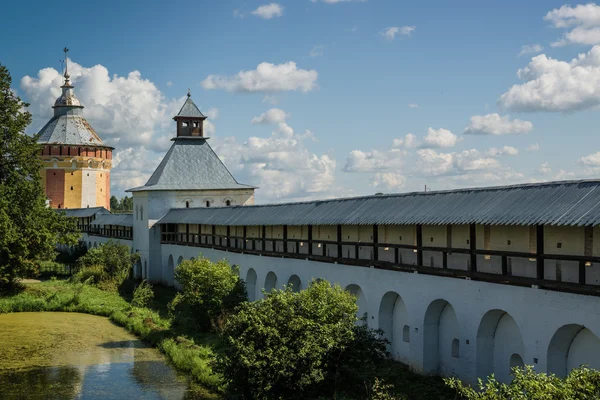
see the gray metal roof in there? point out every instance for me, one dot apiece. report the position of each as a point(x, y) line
point(114, 219)
point(573, 203)
point(191, 164)
point(84, 212)
point(69, 128)
point(189, 109)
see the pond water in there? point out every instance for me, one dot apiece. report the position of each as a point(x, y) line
point(80, 356)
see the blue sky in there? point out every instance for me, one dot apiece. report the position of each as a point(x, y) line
point(357, 75)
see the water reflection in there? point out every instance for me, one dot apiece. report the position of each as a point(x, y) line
point(47, 361)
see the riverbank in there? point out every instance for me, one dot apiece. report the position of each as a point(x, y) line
point(189, 352)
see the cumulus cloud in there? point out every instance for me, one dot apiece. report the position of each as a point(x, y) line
point(433, 163)
point(553, 85)
point(272, 116)
point(266, 77)
point(438, 138)
point(592, 160)
point(409, 141)
point(373, 161)
point(502, 151)
point(544, 169)
point(494, 124)
point(393, 31)
point(531, 49)
point(582, 23)
point(268, 11)
point(388, 181)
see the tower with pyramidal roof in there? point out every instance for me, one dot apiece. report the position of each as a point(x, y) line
point(191, 175)
point(76, 163)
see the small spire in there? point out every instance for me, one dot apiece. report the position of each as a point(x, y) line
point(189, 93)
point(66, 75)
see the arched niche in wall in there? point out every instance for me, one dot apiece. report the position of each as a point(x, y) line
point(572, 346)
point(295, 283)
point(393, 321)
point(361, 302)
point(498, 340)
point(270, 281)
point(441, 335)
point(251, 284)
point(170, 278)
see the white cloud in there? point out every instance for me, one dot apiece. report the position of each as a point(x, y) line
point(266, 77)
point(393, 31)
point(553, 85)
point(502, 151)
point(268, 11)
point(433, 163)
point(413, 105)
point(317, 51)
point(373, 161)
point(582, 23)
point(437, 138)
point(494, 124)
point(388, 181)
point(533, 147)
point(592, 160)
point(544, 169)
point(531, 49)
point(409, 141)
point(272, 116)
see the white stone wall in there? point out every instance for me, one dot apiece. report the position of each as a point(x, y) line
point(444, 325)
point(88, 187)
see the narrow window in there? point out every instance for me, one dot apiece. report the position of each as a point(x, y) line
point(228, 203)
point(406, 334)
point(455, 345)
point(207, 203)
point(187, 204)
point(59, 206)
point(71, 187)
point(71, 173)
point(142, 213)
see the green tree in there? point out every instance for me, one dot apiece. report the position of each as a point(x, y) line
point(211, 292)
point(581, 383)
point(114, 203)
point(282, 346)
point(108, 264)
point(127, 203)
point(29, 231)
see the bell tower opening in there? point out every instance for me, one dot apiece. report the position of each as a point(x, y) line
point(190, 120)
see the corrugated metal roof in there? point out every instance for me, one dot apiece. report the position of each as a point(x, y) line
point(191, 164)
point(189, 109)
point(84, 212)
point(574, 203)
point(114, 219)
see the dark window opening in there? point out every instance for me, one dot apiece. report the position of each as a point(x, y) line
point(228, 203)
point(59, 206)
point(187, 204)
point(207, 203)
point(71, 187)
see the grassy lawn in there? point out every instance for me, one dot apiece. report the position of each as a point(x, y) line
point(188, 352)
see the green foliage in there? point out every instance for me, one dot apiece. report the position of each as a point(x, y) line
point(123, 205)
point(29, 231)
point(581, 383)
point(107, 265)
point(282, 346)
point(142, 295)
point(211, 292)
point(383, 391)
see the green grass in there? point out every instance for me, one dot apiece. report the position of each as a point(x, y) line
point(190, 353)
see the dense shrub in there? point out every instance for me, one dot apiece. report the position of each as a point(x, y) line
point(211, 292)
point(142, 295)
point(296, 345)
point(581, 383)
point(108, 265)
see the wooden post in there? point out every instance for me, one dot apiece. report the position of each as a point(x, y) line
point(539, 249)
point(244, 238)
point(227, 239)
point(448, 245)
point(310, 240)
point(375, 243)
point(419, 245)
point(264, 235)
point(339, 241)
point(187, 233)
point(504, 265)
point(213, 234)
point(588, 251)
point(285, 242)
point(473, 247)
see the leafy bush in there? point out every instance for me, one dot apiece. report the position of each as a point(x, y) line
point(108, 265)
point(284, 345)
point(211, 291)
point(581, 383)
point(142, 295)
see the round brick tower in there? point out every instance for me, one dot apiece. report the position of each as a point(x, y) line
point(76, 171)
